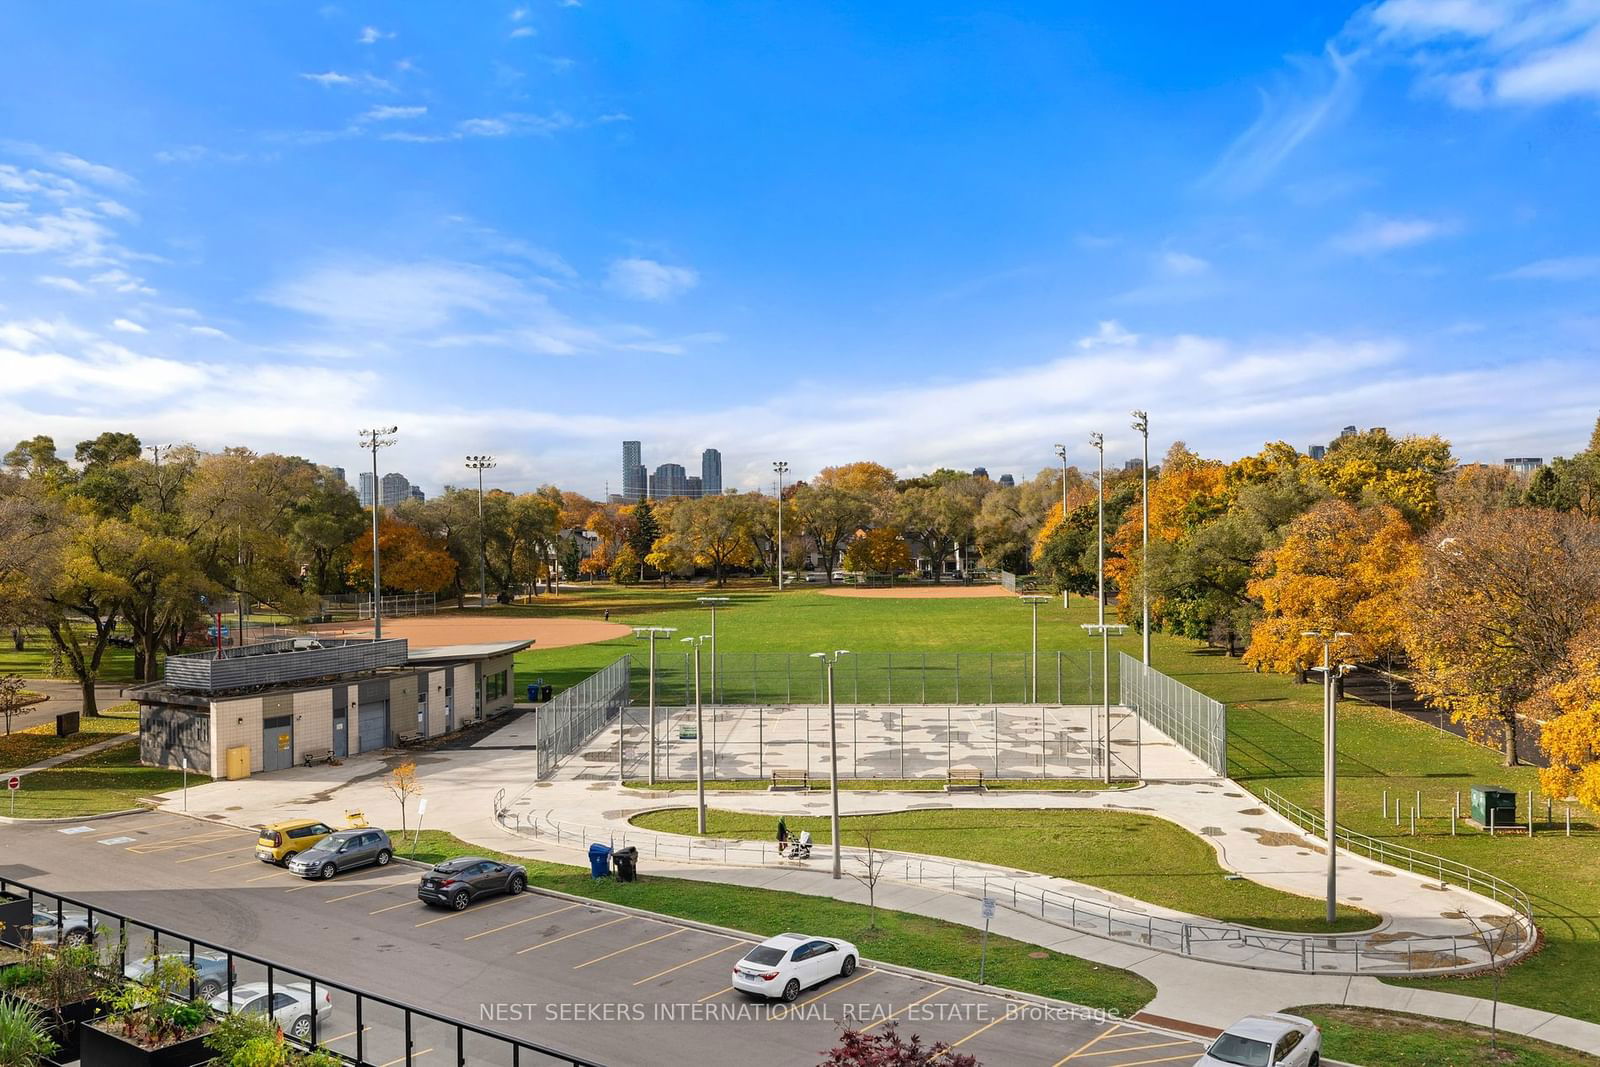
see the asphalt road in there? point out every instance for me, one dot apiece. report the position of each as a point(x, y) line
point(607, 985)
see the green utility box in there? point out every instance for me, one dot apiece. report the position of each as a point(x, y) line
point(1494, 805)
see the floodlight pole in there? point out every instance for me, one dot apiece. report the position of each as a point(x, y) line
point(1061, 453)
point(833, 761)
point(1098, 440)
point(1105, 633)
point(1142, 424)
point(650, 633)
point(1033, 602)
point(714, 602)
point(372, 440)
point(782, 468)
point(699, 739)
point(1330, 761)
point(480, 464)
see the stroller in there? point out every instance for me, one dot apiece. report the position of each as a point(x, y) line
point(799, 848)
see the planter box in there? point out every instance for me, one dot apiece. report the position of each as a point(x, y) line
point(17, 914)
point(102, 1048)
point(73, 1017)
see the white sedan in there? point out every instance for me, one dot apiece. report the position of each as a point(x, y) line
point(1274, 1040)
point(782, 966)
point(289, 1004)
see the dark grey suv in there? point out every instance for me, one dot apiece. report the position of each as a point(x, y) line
point(458, 882)
point(342, 851)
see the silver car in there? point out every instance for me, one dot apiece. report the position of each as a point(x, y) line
point(212, 972)
point(288, 1003)
point(343, 851)
point(73, 928)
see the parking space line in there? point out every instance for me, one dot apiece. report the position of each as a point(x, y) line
point(234, 866)
point(343, 1037)
point(392, 907)
point(908, 1007)
point(788, 1009)
point(718, 993)
point(1138, 1048)
point(364, 892)
point(1084, 1048)
point(264, 877)
point(630, 948)
point(309, 884)
point(403, 1059)
point(214, 855)
point(1011, 1013)
point(576, 933)
point(163, 844)
point(697, 959)
point(454, 914)
point(519, 922)
point(1189, 1058)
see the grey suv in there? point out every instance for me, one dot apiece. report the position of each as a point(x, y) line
point(460, 881)
point(343, 851)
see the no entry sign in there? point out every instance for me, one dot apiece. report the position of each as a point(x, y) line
point(13, 782)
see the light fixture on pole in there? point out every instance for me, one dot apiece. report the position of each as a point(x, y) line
point(1098, 442)
point(481, 464)
point(782, 468)
point(1330, 756)
point(1061, 454)
point(1141, 422)
point(1033, 600)
point(714, 602)
point(1106, 633)
point(829, 659)
point(372, 440)
point(699, 737)
point(651, 634)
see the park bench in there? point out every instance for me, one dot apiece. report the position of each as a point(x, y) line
point(963, 780)
point(407, 740)
point(317, 755)
point(782, 780)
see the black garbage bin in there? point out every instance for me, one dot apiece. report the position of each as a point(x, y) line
point(544, 693)
point(627, 863)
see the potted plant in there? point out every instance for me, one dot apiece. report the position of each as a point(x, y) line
point(147, 1024)
point(256, 1041)
point(10, 953)
point(15, 915)
point(25, 1039)
point(63, 983)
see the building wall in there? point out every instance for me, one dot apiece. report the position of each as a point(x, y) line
point(235, 722)
point(466, 685)
point(507, 698)
point(434, 680)
point(403, 705)
point(313, 722)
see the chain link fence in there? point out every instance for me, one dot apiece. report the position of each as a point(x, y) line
point(573, 718)
point(1190, 718)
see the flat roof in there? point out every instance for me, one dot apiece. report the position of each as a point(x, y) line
point(450, 653)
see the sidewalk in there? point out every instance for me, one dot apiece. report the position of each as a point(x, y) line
point(67, 757)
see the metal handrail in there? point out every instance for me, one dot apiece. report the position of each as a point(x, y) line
point(276, 971)
point(1379, 952)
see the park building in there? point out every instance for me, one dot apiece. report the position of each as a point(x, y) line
point(1524, 465)
point(259, 708)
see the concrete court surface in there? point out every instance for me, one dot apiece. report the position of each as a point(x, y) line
point(891, 741)
point(537, 967)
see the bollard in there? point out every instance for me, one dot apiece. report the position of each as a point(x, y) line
point(1458, 803)
point(1569, 820)
point(1452, 822)
point(1418, 808)
point(1413, 822)
point(1397, 813)
point(1530, 813)
point(1385, 803)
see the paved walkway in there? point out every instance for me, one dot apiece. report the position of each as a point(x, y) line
point(67, 757)
point(64, 696)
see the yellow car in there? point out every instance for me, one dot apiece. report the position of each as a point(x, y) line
point(282, 841)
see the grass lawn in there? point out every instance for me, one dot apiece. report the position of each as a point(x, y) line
point(908, 940)
point(34, 659)
point(112, 780)
point(1394, 1039)
point(1141, 856)
point(878, 785)
point(23, 748)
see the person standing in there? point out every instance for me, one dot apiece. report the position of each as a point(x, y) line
point(783, 834)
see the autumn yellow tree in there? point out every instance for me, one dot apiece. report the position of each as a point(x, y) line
point(1187, 491)
point(1501, 597)
point(1571, 739)
point(1375, 468)
point(880, 551)
point(1337, 568)
point(410, 558)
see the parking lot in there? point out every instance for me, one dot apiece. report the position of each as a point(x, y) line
point(599, 982)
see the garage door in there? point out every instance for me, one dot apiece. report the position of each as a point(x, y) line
point(374, 720)
point(277, 743)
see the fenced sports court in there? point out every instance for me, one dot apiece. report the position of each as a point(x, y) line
point(1164, 730)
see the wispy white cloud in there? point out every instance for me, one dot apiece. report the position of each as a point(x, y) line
point(387, 112)
point(372, 35)
point(66, 285)
point(1375, 234)
point(1558, 269)
point(1109, 333)
point(523, 31)
point(519, 13)
point(638, 278)
point(329, 79)
point(1182, 264)
point(209, 331)
point(127, 326)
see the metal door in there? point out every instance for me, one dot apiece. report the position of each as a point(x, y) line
point(341, 722)
point(374, 723)
point(277, 743)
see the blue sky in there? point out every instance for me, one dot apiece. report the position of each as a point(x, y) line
point(929, 234)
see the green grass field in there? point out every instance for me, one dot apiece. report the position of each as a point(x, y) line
point(909, 940)
point(111, 780)
point(1394, 1039)
point(34, 659)
point(1141, 856)
point(23, 748)
point(1274, 739)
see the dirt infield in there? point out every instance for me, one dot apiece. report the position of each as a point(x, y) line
point(923, 592)
point(431, 631)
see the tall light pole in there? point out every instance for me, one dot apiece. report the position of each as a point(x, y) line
point(782, 468)
point(372, 440)
point(481, 464)
point(1033, 601)
point(651, 634)
point(699, 736)
point(1106, 633)
point(1098, 441)
point(714, 602)
point(1330, 757)
point(1061, 454)
point(833, 753)
point(1141, 422)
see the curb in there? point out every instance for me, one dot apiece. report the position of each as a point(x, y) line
point(53, 821)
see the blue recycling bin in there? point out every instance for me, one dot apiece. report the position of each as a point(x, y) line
point(600, 861)
point(533, 694)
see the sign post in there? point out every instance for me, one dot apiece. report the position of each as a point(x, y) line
point(186, 783)
point(983, 957)
point(13, 784)
point(422, 809)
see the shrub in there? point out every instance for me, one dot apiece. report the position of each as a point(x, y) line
point(24, 1041)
